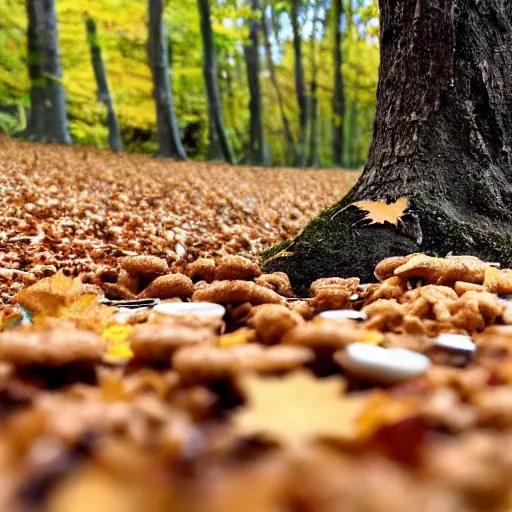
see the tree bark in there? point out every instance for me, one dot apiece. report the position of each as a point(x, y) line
point(300, 86)
point(103, 91)
point(56, 123)
point(169, 142)
point(257, 146)
point(35, 126)
point(289, 144)
point(442, 138)
point(218, 137)
point(338, 100)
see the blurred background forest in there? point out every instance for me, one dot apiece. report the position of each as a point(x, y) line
point(273, 62)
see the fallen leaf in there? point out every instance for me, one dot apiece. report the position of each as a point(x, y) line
point(380, 212)
point(118, 346)
point(383, 409)
point(298, 408)
point(87, 313)
point(239, 337)
point(48, 295)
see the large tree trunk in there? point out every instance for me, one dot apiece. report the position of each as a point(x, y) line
point(257, 146)
point(443, 139)
point(300, 85)
point(289, 145)
point(169, 142)
point(103, 92)
point(35, 127)
point(218, 137)
point(338, 100)
point(56, 123)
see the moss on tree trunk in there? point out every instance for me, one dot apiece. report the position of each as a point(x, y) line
point(443, 139)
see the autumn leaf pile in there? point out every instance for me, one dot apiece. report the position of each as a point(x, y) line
point(76, 208)
point(111, 410)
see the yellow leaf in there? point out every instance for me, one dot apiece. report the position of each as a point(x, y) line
point(118, 348)
point(383, 409)
point(239, 337)
point(298, 408)
point(380, 212)
point(49, 294)
point(87, 313)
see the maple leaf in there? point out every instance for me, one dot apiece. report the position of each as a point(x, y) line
point(380, 212)
point(118, 346)
point(298, 408)
point(48, 295)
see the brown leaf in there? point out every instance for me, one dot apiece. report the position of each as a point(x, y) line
point(380, 212)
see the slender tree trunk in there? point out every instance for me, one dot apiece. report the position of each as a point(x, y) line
point(338, 100)
point(103, 92)
point(442, 139)
point(313, 95)
point(35, 127)
point(56, 123)
point(289, 145)
point(257, 147)
point(300, 86)
point(218, 137)
point(169, 142)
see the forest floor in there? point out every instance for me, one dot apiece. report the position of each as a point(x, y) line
point(391, 396)
point(73, 208)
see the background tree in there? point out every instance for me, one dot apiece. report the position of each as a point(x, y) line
point(48, 121)
point(219, 145)
point(114, 137)
point(257, 145)
point(55, 117)
point(443, 141)
point(300, 84)
point(169, 142)
point(35, 127)
point(338, 100)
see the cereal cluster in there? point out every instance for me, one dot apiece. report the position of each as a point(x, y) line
point(388, 396)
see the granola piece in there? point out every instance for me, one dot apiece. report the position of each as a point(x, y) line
point(461, 287)
point(384, 315)
point(203, 269)
point(157, 342)
point(271, 321)
point(430, 301)
point(333, 293)
point(416, 343)
point(392, 288)
point(128, 281)
point(278, 282)
point(498, 281)
point(330, 334)
point(386, 268)
point(168, 287)
point(53, 347)
point(475, 310)
point(494, 406)
point(443, 270)
point(225, 292)
point(117, 292)
point(144, 267)
point(303, 308)
point(236, 268)
point(207, 363)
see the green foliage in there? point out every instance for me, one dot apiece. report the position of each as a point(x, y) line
point(8, 123)
point(122, 36)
